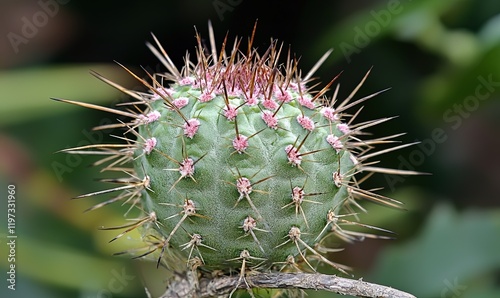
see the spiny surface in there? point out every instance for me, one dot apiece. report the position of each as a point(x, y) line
point(238, 164)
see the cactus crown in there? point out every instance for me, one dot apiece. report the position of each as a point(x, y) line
point(238, 164)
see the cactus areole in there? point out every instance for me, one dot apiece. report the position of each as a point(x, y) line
point(237, 163)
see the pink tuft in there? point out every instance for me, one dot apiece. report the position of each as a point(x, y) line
point(329, 113)
point(230, 112)
point(344, 128)
point(270, 104)
point(206, 96)
point(162, 92)
point(186, 81)
point(149, 145)
point(191, 127)
point(306, 102)
point(252, 101)
point(186, 168)
point(283, 96)
point(180, 102)
point(240, 143)
point(295, 87)
point(149, 117)
point(306, 122)
point(244, 186)
point(270, 119)
point(335, 142)
point(293, 156)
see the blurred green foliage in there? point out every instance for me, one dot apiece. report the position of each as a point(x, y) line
point(434, 55)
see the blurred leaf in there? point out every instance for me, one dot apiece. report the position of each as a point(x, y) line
point(452, 249)
point(490, 32)
point(61, 266)
point(26, 92)
point(441, 91)
point(357, 31)
point(46, 193)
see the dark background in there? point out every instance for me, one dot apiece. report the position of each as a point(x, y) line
point(433, 55)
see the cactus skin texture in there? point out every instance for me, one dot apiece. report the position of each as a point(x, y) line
point(237, 164)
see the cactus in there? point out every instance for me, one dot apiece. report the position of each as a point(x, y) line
point(237, 164)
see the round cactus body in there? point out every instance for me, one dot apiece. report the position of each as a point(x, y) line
point(240, 167)
point(237, 163)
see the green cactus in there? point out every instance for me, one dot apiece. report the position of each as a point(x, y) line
point(237, 164)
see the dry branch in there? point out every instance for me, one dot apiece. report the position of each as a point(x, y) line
point(184, 287)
